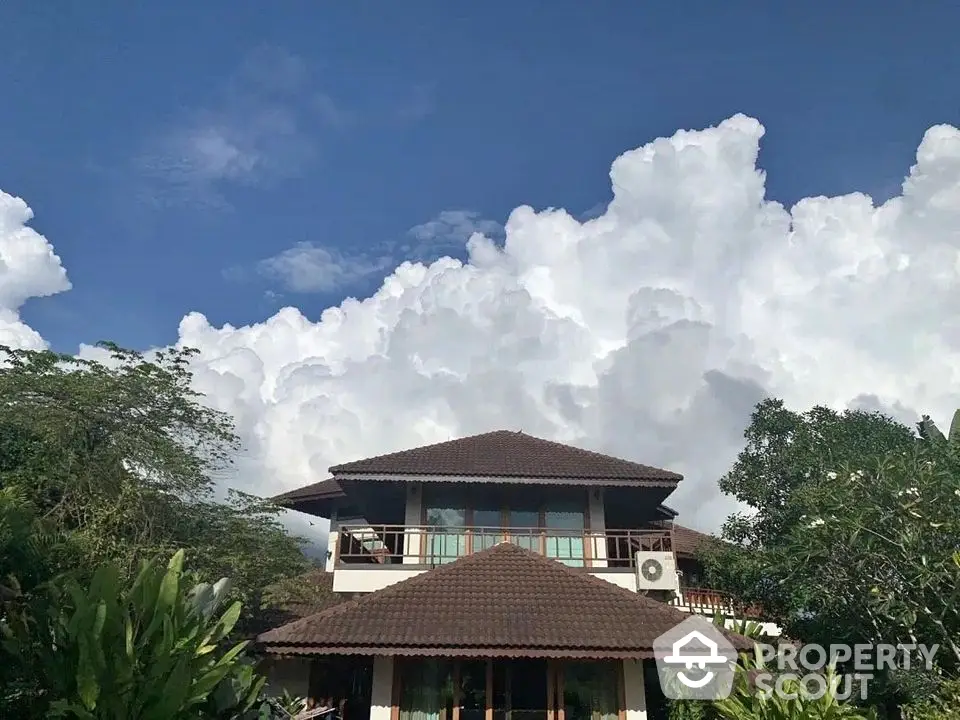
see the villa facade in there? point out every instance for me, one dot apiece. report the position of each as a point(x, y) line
point(494, 577)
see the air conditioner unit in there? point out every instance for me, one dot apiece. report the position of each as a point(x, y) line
point(656, 571)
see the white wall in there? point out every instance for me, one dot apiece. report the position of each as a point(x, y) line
point(369, 578)
point(382, 694)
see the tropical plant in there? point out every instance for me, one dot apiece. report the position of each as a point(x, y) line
point(758, 694)
point(150, 650)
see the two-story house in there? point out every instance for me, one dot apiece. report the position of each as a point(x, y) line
point(494, 577)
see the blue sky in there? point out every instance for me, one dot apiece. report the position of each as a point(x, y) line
point(353, 122)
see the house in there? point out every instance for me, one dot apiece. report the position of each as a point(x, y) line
point(493, 577)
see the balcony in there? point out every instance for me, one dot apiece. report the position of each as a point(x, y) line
point(705, 601)
point(431, 546)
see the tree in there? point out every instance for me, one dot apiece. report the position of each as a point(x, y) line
point(786, 449)
point(118, 461)
point(785, 452)
point(853, 533)
point(898, 528)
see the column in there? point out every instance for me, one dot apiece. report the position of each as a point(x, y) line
point(634, 690)
point(381, 696)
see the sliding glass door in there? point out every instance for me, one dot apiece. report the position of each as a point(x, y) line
point(524, 522)
point(458, 525)
point(564, 525)
point(426, 689)
point(447, 534)
point(509, 689)
point(487, 523)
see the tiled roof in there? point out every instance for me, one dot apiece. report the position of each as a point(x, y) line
point(505, 601)
point(328, 488)
point(688, 542)
point(505, 453)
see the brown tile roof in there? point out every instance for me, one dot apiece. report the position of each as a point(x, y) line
point(505, 453)
point(328, 488)
point(505, 601)
point(688, 542)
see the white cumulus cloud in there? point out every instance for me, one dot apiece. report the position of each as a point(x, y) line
point(648, 331)
point(28, 268)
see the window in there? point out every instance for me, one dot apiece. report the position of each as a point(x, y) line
point(590, 691)
point(446, 518)
point(510, 689)
point(458, 526)
point(565, 524)
point(426, 689)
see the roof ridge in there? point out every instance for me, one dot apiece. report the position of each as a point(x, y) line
point(425, 447)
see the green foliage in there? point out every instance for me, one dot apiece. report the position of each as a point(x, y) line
point(790, 701)
point(23, 545)
point(747, 628)
point(120, 458)
point(854, 534)
point(151, 650)
point(944, 705)
point(785, 450)
point(929, 431)
point(899, 528)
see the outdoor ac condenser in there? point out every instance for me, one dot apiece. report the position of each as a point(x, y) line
point(656, 571)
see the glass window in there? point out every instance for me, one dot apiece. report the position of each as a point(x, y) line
point(565, 523)
point(426, 689)
point(487, 522)
point(591, 691)
point(447, 520)
point(473, 689)
point(525, 523)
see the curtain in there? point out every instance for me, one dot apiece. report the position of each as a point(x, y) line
point(591, 690)
point(426, 689)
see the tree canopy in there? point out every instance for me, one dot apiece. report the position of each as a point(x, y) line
point(853, 528)
point(116, 462)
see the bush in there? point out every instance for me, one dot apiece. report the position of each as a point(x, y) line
point(154, 650)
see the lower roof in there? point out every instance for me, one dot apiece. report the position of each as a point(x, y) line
point(505, 601)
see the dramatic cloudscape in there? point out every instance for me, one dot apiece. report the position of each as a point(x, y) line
point(648, 331)
point(617, 225)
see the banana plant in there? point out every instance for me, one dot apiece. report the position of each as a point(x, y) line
point(155, 650)
point(929, 431)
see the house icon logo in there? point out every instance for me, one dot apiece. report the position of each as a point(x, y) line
point(695, 661)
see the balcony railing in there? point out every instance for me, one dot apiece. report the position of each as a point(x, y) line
point(705, 601)
point(431, 545)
